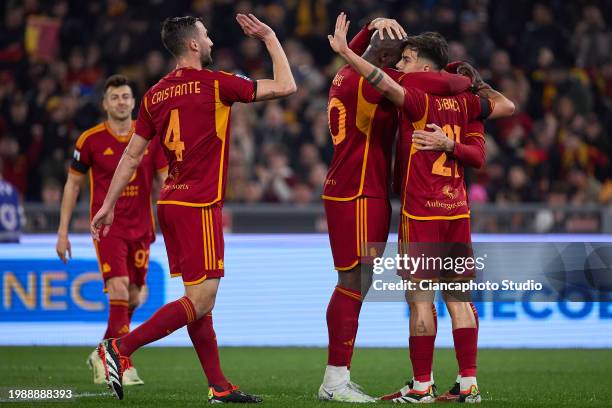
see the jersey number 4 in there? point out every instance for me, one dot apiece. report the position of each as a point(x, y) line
point(173, 135)
point(438, 167)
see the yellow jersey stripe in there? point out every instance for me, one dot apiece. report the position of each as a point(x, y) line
point(346, 268)
point(365, 221)
point(195, 282)
point(349, 294)
point(204, 245)
point(212, 238)
point(211, 259)
point(436, 217)
point(188, 204)
point(91, 131)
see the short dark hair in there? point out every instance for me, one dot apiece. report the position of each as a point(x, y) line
point(115, 81)
point(175, 30)
point(430, 45)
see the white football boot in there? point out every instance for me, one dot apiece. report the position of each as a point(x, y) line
point(97, 367)
point(337, 386)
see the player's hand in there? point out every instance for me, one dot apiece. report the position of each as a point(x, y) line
point(465, 69)
point(436, 140)
point(254, 28)
point(388, 25)
point(102, 221)
point(338, 40)
point(62, 246)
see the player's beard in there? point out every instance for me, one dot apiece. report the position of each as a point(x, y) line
point(120, 117)
point(206, 59)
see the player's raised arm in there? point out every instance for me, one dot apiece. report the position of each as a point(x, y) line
point(283, 83)
point(500, 105)
point(382, 82)
point(127, 166)
point(382, 26)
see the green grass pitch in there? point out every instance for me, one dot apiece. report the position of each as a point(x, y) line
point(290, 377)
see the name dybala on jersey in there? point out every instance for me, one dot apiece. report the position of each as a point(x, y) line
point(363, 124)
point(433, 185)
point(190, 110)
point(98, 150)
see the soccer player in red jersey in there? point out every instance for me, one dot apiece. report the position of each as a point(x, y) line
point(123, 255)
point(188, 112)
point(434, 205)
point(363, 125)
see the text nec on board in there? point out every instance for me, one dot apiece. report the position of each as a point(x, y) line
point(48, 290)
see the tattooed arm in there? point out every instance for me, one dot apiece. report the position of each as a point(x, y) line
point(382, 82)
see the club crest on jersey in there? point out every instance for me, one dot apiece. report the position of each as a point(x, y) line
point(338, 80)
point(449, 192)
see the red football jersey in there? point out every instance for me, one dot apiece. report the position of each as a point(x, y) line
point(474, 129)
point(433, 186)
point(189, 110)
point(363, 124)
point(98, 151)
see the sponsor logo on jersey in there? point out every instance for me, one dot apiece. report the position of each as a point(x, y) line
point(108, 152)
point(449, 192)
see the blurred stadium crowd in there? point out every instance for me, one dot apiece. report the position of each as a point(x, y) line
point(553, 59)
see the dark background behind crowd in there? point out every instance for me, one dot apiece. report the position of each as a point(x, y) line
point(553, 59)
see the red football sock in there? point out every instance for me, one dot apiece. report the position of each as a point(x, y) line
point(435, 316)
point(342, 321)
point(204, 341)
point(118, 319)
point(466, 348)
point(167, 319)
point(475, 314)
point(421, 356)
point(131, 313)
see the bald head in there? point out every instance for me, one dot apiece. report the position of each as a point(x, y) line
point(385, 52)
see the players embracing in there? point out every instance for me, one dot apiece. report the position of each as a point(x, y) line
point(363, 124)
point(434, 200)
point(188, 112)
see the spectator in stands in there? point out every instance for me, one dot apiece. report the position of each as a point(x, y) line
point(592, 40)
point(551, 58)
point(542, 32)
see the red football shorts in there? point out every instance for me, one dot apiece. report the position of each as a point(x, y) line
point(435, 239)
point(194, 241)
point(352, 224)
point(118, 257)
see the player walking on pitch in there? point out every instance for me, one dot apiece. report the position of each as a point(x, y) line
point(363, 125)
point(188, 111)
point(434, 203)
point(123, 255)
